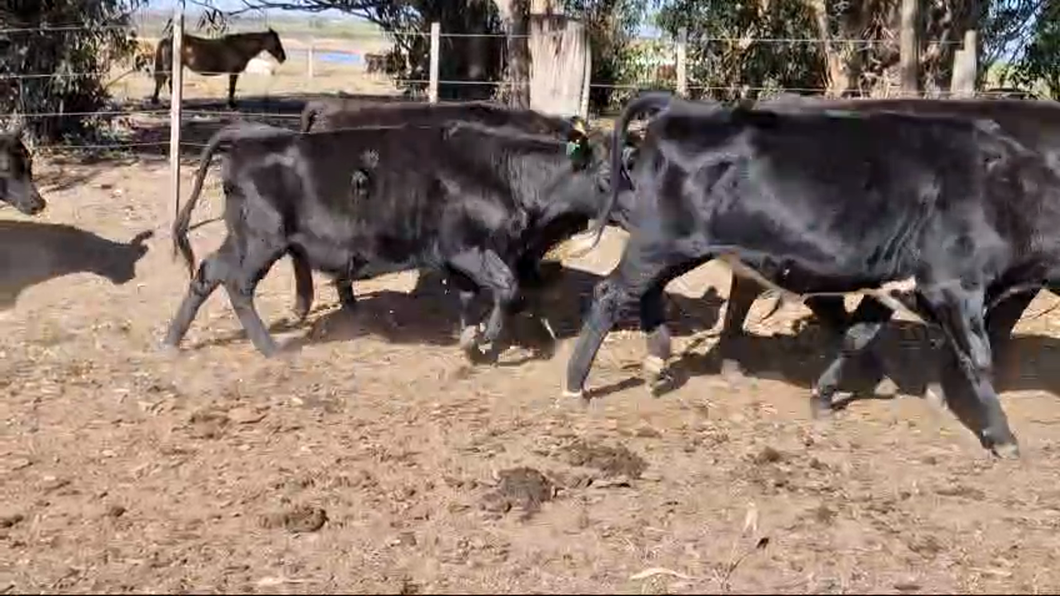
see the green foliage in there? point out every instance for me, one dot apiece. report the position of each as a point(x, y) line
point(1040, 60)
point(67, 64)
point(725, 62)
point(616, 57)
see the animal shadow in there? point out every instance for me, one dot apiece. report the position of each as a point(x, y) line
point(34, 252)
point(909, 354)
point(431, 315)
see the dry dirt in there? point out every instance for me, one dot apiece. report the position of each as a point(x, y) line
point(376, 459)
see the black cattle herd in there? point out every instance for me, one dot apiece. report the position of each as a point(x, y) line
point(947, 210)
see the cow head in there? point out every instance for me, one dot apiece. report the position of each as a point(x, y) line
point(590, 154)
point(16, 175)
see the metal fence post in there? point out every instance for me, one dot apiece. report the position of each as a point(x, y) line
point(682, 63)
point(175, 100)
point(436, 38)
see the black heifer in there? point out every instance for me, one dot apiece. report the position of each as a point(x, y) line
point(959, 213)
point(1035, 124)
point(343, 112)
point(16, 175)
point(474, 202)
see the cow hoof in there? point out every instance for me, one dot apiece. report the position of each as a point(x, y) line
point(1006, 451)
point(820, 407)
point(578, 395)
point(168, 349)
point(662, 383)
point(730, 370)
point(468, 337)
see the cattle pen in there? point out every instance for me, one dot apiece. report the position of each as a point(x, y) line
point(375, 458)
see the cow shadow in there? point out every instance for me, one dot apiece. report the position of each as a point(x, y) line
point(910, 354)
point(32, 253)
point(431, 315)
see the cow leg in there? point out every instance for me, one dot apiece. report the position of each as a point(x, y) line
point(653, 324)
point(232, 78)
point(303, 283)
point(869, 318)
point(742, 294)
point(640, 270)
point(959, 311)
point(214, 269)
point(956, 390)
point(258, 256)
point(344, 288)
point(999, 324)
point(488, 270)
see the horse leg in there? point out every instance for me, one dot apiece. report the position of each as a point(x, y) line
point(232, 78)
point(160, 79)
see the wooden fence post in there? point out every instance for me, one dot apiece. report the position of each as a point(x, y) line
point(175, 103)
point(909, 48)
point(436, 42)
point(309, 59)
point(965, 65)
point(682, 64)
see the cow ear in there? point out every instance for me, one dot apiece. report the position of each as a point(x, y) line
point(577, 128)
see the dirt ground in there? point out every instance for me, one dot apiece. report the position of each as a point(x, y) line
point(375, 458)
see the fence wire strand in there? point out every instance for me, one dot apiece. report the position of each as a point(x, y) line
point(664, 57)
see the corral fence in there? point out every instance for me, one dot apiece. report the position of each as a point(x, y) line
point(311, 69)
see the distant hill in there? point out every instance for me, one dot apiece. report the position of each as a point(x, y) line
point(150, 23)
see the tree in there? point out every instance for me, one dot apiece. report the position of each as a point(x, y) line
point(1040, 60)
point(55, 57)
point(726, 55)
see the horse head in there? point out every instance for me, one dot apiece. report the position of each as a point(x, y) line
point(274, 46)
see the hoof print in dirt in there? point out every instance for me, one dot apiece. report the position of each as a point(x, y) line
point(208, 423)
point(523, 488)
point(297, 521)
point(618, 466)
point(10, 521)
point(768, 455)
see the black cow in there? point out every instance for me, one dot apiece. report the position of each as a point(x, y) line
point(16, 175)
point(959, 214)
point(481, 204)
point(345, 112)
point(1035, 124)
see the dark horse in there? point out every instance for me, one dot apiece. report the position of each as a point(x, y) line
point(228, 54)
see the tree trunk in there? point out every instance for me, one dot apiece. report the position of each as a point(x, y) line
point(558, 48)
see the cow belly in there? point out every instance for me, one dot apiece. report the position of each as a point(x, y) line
point(325, 256)
point(335, 259)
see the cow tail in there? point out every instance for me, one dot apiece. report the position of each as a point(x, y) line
point(309, 116)
point(183, 220)
point(647, 102)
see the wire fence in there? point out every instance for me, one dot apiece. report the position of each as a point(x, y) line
point(348, 60)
